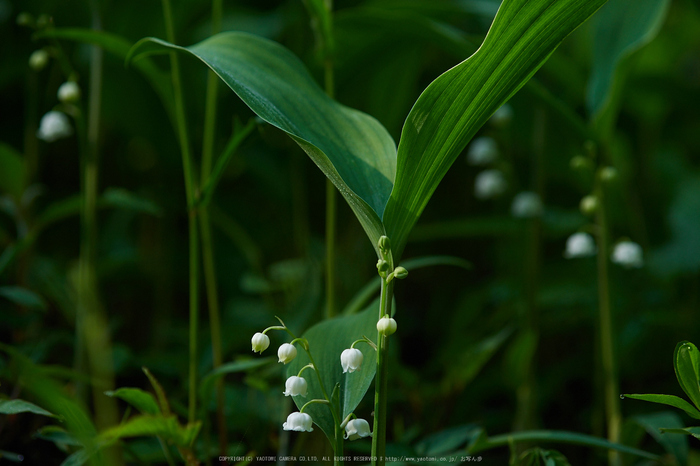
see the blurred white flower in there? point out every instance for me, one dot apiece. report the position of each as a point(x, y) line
point(357, 428)
point(54, 125)
point(351, 359)
point(628, 254)
point(38, 59)
point(580, 245)
point(489, 184)
point(526, 204)
point(286, 353)
point(69, 92)
point(482, 151)
point(502, 116)
point(295, 386)
point(300, 422)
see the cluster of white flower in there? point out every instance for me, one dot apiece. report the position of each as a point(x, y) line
point(527, 204)
point(625, 253)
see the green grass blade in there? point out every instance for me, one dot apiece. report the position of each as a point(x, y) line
point(669, 400)
point(351, 148)
point(450, 111)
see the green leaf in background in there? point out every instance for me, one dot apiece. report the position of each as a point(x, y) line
point(686, 362)
point(23, 297)
point(207, 384)
point(143, 401)
point(326, 341)
point(12, 172)
point(694, 431)
point(451, 110)
point(351, 148)
point(21, 406)
point(669, 400)
point(540, 457)
point(620, 28)
point(166, 427)
point(674, 444)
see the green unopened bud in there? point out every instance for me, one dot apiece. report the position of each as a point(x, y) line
point(589, 205)
point(43, 21)
point(400, 273)
point(382, 267)
point(608, 174)
point(25, 19)
point(384, 244)
point(38, 59)
point(580, 163)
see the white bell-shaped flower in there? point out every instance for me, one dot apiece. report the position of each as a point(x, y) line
point(69, 92)
point(482, 151)
point(53, 126)
point(357, 428)
point(260, 342)
point(526, 204)
point(286, 353)
point(300, 422)
point(502, 116)
point(489, 184)
point(386, 325)
point(295, 386)
point(628, 254)
point(351, 359)
point(580, 245)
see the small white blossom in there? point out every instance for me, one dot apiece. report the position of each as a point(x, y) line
point(526, 204)
point(54, 125)
point(38, 59)
point(286, 353)
point(295, 386)
point(502, 116)
point(357, 428)
point(351, 359)
point(489, 184)
point(300, 422)
point(482, 151)
point(628, 254)
point(580, 245)
point(69, 92)
point(386, 325)
point(260, 342)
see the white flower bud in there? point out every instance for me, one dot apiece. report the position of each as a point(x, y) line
point(300, 422)
point(357, 428)
point(386, 325)
point(69, 92)
point(351, 359)
point(286, 353)
point(526, 204)
point(482, 151)
point(608, 174)
point(489, 184)
point(260, 342)
point(502, 116)
point(295, 386)
point(54, 125)
point(580, 245)
point(38, 59)
point(628, 254)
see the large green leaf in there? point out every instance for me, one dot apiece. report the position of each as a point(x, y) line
point(451, 110)
point(326, 341)
point(669, 400)
point(686, 362)
point(143, 401)
point(621, 27)
point(353, 149)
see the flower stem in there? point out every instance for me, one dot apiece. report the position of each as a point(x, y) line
point(380, 384)
point(607, 341)
point(190, 188)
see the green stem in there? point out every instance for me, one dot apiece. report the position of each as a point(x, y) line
point(607, 338)
point(380, 384)
point(207, 241)
point(190, 187)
